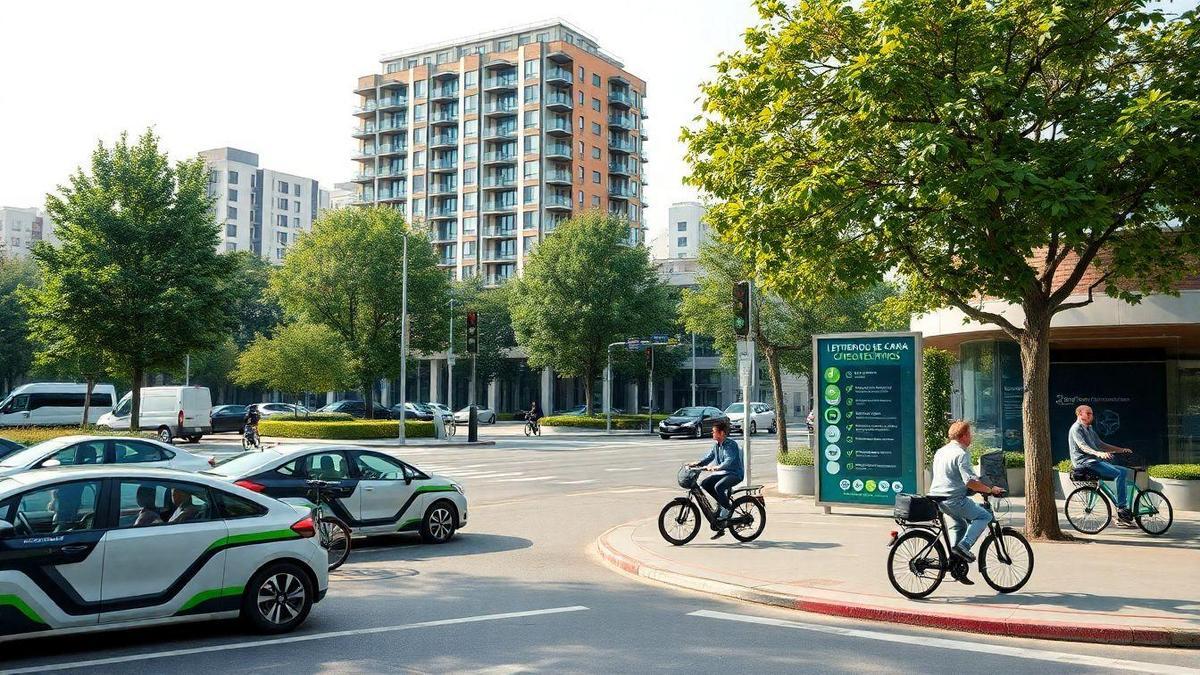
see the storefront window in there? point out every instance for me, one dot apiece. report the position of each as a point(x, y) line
point(979, 390)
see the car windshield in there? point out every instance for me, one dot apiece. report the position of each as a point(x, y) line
point(689, 412)
point(734, 408)
point(243, 463)
point(35, 452)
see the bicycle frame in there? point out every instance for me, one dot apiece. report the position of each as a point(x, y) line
point(944, 532)
point(1131, 489)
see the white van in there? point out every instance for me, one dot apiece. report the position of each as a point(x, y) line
point(44, 404)
point(171, 411)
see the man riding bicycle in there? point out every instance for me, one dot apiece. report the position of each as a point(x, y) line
point(534, 413)
point(1089, 452)
point(250, 421)
point(954, 480)
point(724, 460)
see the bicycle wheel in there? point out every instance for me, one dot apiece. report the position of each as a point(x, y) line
point(451, 428)
point(1153, 512)
point(916, 564)
point(334, 537)
point(1087, 510)
point(528, 428)
point(748, 519)
point(679, 521)
point(1007, 570)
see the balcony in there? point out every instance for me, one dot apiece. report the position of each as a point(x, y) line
point(619, 169)
point(505, 107)
point(443, 93)
point(365, 153)
point(442, 165)
point(621, 122)
point(360, 132)
point(443, 140)
point(392, 126)
point(443, 188)
point(494, 157)
point(363, 177)
point(399, 190)
point(557, 202)
point(444, 212)
point(620, 192)
point(491, 206)
point(501, 132)
point(496, 182)
point(554, 221)
point(499, 256)
point(444, 117)
point(501, 231)
point(557, 151)
point(558, 126)
point(385, 171)
point(442, 234)
point(447, 262)
point(392, 149)
point(558, 177)
point(499, 82)
point(620, 98)
point(368, 107)
point(393, 102)
point(558, 75)
point(558, 101)
point(620, 145)
point(493, 280)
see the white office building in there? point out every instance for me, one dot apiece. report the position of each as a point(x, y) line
point(686, 230)
point(260, 210)
point(21, 228)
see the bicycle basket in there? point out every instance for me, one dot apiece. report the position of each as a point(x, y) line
point(687, 477)
point(915, 508)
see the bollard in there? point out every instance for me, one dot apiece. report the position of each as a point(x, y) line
point(472, 425)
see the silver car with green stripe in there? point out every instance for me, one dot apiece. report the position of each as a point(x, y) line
point(112, 547)
point(375, 492)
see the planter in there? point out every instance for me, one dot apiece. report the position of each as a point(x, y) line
point(795, 480)
point(1184, 495)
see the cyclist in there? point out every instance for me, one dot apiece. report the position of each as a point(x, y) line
point(534, 413)
point(724, 460)
point(1089, 452)
point(250, 420)
point(954, 480)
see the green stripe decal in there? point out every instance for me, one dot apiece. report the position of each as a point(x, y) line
point(19, 604)
point(211, 594)
point(253, 538)
point(436, 488)
point(409, 523)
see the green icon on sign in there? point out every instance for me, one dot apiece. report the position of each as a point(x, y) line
point(849, 388)
point(870, 486)
point(833, 415)
point(833, 395)
point(832, 375)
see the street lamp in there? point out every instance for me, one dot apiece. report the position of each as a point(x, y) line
point(450, 362)
point(404, 341)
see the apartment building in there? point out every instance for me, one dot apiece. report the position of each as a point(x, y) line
point(687, 232)
point(492, 141)
point(260, 210)
point(21, 228)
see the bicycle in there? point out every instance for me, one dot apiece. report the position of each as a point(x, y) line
point(450, 425)
point(332, 533)
point(917, 560)
point(250, 438)
point(532, 428)
point(679, 520)
point(1152, 511)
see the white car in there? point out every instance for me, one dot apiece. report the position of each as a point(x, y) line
point(270, 409)
point(174, 412)
point(113, 547)
point(483, 414)
point(94, 450)
point(761, 417)
point(44, 404)
point(375, 493)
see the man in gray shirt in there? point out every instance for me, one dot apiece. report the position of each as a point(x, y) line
point(954, 479)
point(1089, 452)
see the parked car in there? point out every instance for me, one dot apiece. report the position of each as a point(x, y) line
point(377, 493)
point(573, 410)
point(227, 418)
point(45, 404)
point(695, 421)
point(357, 408)
point(439, 408)
point(269, 409)
point(8, 447)
point(91, 450)
point(761, 417)
point(483, 414)
point(129, 547)
point(412, 411)
point(172, 411)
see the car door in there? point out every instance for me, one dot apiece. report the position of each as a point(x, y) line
point(127, 451)
point(166, 552)
point(53, 561)
point(334, 467)
point(385, 494)
point(16, 413)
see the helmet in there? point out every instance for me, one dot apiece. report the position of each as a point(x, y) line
point(687, 477)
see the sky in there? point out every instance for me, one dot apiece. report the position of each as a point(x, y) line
point(277, 78)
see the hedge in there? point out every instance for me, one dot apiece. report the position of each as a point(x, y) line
point(343, 430)
point(314, 417)
point(1176, 471)
point(599, 421)
point(33, 435)
point(798, 457)
point(1012, 459)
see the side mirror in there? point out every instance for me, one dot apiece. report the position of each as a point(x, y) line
point(408, 479)
point(6, 529)
point(49, 463)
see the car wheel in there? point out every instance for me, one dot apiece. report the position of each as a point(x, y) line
point(164, 435)
point(194, 439)
point(439, 523)
point(664, 437)
point(278, 598)
point(700, 430)
point(753, 427)
point(774, 426)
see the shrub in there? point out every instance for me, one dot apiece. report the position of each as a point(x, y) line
point(799, 457)
point(34, 435)
point(1012, 459)
point(936, 398)
point(316, 417)
point(1064, 466)
point(599, 422)
point(343, 430)
point(1176, 471)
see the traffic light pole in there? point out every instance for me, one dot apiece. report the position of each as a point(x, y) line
point(746, 415)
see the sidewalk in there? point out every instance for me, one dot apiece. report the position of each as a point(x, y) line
point(1124, 587)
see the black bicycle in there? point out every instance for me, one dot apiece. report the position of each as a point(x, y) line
point(679, 520)
point(532, 428)
point(918, 561)
point(332, 533)
point(250, 439)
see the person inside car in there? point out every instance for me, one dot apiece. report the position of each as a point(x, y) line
point(147, 514)
point(185, 510)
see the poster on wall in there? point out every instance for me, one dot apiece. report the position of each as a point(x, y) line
point(1129, 401)
point(868, 417)
point(1012, 393)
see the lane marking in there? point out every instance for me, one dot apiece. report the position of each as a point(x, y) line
point(525, 480)
point(576, 482)
point(626, 468)
point(958, 645)
point(290, 640)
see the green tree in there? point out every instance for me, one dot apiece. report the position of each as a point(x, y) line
point(346, 275)
point(138, 266)
point(300, 357)
point(582, 289)
point(254, 307)
point(213, 368)
point(981, 149)
point(16, 351)
point(938, 387)
point(496, 336)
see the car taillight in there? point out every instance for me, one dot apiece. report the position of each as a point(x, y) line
point(251, 485)
point(180, 419)
point(304, 527)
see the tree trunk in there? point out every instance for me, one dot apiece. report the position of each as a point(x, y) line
point(1041, 512)
point(135, 400)
point(777, 392)
point(87, 400)
point(369, 399)
point(588, 385)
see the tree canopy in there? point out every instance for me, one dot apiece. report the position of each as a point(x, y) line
point(300, 357)
point(16, 350)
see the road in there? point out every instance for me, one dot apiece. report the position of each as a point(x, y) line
point(520, 591)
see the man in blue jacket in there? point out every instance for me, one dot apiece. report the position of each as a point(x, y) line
point(724, 461)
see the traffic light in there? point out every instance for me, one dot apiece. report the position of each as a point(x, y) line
point(472, 332)
point(741, 308)
point(649, 352)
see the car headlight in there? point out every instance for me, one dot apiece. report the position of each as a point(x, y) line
point(460, 489)
point(688, 424)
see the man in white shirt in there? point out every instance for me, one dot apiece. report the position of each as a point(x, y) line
point(955, 479)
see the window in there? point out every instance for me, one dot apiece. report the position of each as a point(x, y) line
point(443, 57)
point(233, 506)
point(471, 128)
point(581, 73)
point(230, 229)
point(595, 152)
point(532, 143)
point(378, 467)
point(471, 79)
point(596, 104)
point(283, 203)
point(232, 195)
point(543, 37)
point(296, 206)
point(581, 98)
point(231, 212)
point(418, 135)
point(279, 253)
point(230, 247)
point(470, 152)
point(503, 45)
point(281, 220)
point(326, 466)
point(529, 219)
point(581, 191)
point(596, 177)
point(595, 128)
point(295, 222)
point(469, 202)
point(419, 88)
point(681, 226)
point(531, 194)
point(63, 507)
point(531, 69)
point(581, 128)
point(595, 200)
point(531, 169)
point(283, 187)
point(419, 159)
point(681, 241)
point(531, 93)
point(418, 183)
point(581, 173)
point(469, 224)
point(233, 178)
point(469, 175)
point(89, 452)
point(531, 118)
point(134, 452)
point(147, 502)
point(471, 103)
point(281, 237)
point(595, 80)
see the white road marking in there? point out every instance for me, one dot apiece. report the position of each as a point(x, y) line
point(576, 482)
point(525, 480)
point(495, 475)
point(288, 640)
point(626, 468)
point(959, 645)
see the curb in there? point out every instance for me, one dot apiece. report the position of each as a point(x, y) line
point(1042, 630)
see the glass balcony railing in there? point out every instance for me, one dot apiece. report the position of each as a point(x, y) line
point(450, 234)
point(500, 132)
point(620, 192)
point(501, 82)
point(619, 168)
point(495, 206)
point(558, 75)
point(620, 98)
point(365, 152)
point(495, 156)
point(441, 164)
point(444, 212)
point(499, 231)
point(621, 121)
point(505, 106)
point(558, 125)
point(443, 92)
point(558, 150)
point(559, 100)
point(495, 256)
point(558, 176)
point(563, 201)
point(620, 145)
point(393, 102)
point(443, 116)
point(499, 181)
point(443, 139)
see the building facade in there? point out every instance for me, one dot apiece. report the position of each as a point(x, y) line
point(687, 232)
point(494, 140)
point(260, 210)
point(21, 229)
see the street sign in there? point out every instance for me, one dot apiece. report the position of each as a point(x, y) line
point(633, 344)
point(867, 392)
point(658, 337)
point(451, 359)
point(744, 361)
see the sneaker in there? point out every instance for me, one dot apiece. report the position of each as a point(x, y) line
point(1125, 515)
point(963, 553)
point(720, 533)
point(963, 579)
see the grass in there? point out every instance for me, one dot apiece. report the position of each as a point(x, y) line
point(34, 435)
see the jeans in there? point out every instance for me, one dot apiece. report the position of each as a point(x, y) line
point(1110, 472)
point(968, 520)
point(719, 486)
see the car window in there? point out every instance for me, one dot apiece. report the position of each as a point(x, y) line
point(291, 469)
point(134, 452)
point(377, 467)
point(66, 507)
point(326, 466)
point(413, 473)
point(90, 452)
point(18, 403)
point(147, 502)
point(233, 506)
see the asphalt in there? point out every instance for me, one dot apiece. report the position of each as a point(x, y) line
point(474, 604)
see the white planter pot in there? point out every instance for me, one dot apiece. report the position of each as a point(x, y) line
point(1063, 486)
point(1184, 495)
point(795, 480)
